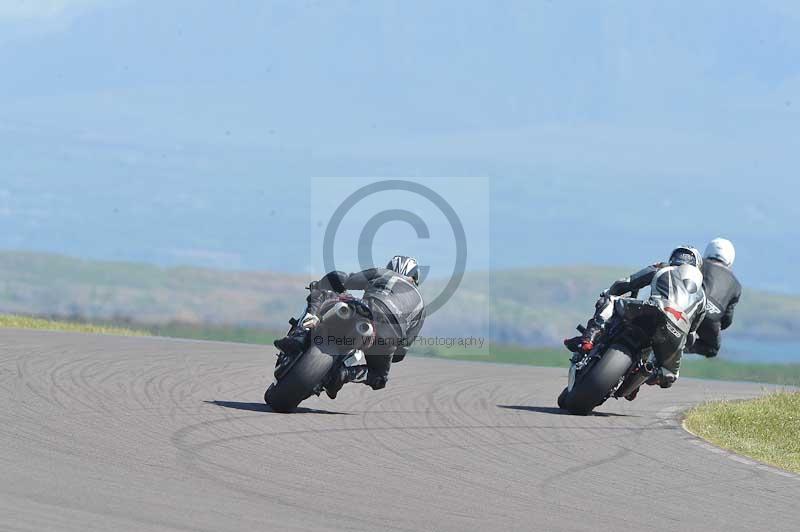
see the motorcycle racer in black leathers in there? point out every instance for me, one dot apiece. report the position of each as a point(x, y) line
point(723, 292)
point(398, 312)
point(684, 268)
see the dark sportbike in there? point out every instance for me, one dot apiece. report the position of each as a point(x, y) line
point(345, 329)
point(622, 360)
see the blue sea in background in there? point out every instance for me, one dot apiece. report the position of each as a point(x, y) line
point(753, 350)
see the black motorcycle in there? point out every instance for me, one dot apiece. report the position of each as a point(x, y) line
point(621, 361)
point(345, 329)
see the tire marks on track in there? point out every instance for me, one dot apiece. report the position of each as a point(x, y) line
point(126, 429)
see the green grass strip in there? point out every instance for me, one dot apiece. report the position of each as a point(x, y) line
point(767, 428)
point(25, 322)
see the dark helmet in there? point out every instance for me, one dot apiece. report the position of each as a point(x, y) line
point(686, 255)
point(405, 266)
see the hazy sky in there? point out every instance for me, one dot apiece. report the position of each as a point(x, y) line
point(188, 132)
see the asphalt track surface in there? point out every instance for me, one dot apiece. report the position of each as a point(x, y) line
point(107, 433)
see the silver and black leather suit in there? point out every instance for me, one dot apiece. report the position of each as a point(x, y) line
point(663, 280)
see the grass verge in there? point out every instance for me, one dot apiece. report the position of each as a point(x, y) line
point(767, 428)
point(220, 333)
point(26, 322)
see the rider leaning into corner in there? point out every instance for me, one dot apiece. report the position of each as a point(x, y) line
point(398, 312)
point(679, 280)
point(723, 291)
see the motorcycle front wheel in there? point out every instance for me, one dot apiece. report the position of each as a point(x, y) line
point(594, 384)
point(300, 382)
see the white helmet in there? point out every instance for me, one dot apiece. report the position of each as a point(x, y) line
point(721, 249)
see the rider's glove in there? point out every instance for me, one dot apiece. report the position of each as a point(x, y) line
point(602, 301)
point(309, 321)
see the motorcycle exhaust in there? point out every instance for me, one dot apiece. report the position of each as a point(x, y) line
point(343, 311)
point(635, 379)
point(340, 311)
point(365, 329)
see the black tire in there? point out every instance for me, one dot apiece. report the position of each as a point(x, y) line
point(592, 388)
point(301, 380)
point(561, 397)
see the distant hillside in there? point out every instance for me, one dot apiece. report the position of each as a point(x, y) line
point(44, 284)
point(554, 300)
point(536, 306)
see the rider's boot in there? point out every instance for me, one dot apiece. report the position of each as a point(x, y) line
point(631, 396)
point(585, 342)
point(343, 375)
point(292, 344)
point(663, 377)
